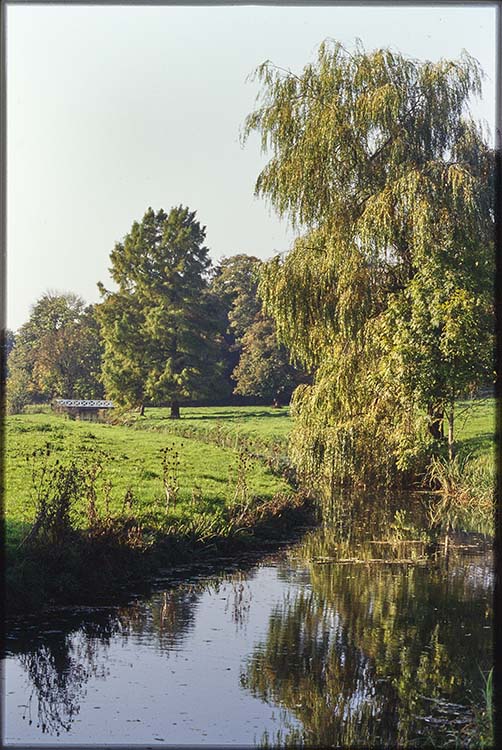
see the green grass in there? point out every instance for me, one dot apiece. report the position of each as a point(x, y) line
point(207, 472)
point(468, 481)
point(208, 463)
point(254, 422)
point(475, 425)
point(212, 511)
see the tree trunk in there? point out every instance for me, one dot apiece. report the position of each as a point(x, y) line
point(435, 422)
point(141, 410)
point(175, 410)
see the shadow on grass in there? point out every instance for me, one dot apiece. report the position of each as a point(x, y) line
point(222, 415)
point(15, 532)
point(477, 445)
point(213, 478)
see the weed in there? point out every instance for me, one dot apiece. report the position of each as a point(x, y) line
point(56, 489)
point(463, 497)
point(197, 496)
point(129, 500)
point(89, 481)
point(241, 478)
point(170, 474)
point(107, 491)
point(403, 528)
point(478, 732)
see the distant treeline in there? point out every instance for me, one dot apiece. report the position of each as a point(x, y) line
point(176, 330)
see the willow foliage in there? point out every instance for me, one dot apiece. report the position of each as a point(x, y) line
point(376, 161)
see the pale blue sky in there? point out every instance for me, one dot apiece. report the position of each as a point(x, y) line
point(113, 109)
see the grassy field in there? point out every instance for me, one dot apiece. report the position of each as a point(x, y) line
point(260, 423)
point(476, 426)
point(206, 441)
point(210, 477)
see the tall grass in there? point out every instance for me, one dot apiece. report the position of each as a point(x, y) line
point(478, 733)
point(464, 492)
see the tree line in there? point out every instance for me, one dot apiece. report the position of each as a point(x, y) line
point(175, 329)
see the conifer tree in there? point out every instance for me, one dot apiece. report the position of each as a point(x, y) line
point(161, 342)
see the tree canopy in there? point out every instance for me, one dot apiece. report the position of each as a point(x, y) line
point(161, 342)
point(57, 352)
point(264, 369)
point(236, 283)
point(261, 366)
point(376, 161)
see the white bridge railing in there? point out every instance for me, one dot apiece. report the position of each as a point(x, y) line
point(84, 403)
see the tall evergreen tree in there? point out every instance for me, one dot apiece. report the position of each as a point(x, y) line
point(161, 340)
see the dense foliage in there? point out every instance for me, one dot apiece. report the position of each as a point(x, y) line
point(57, 353)
point(387, 292)
point(261, 365)
point(161, 342)
point(264, 369)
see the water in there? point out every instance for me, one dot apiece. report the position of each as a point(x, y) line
point(327, 642)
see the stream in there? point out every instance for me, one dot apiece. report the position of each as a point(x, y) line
point(343, 638)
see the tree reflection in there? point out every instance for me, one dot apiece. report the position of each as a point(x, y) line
point(59, 664)
point(59, 669)
point(373, 653)
point(167, 617)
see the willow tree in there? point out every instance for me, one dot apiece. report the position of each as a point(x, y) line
point(378, 164)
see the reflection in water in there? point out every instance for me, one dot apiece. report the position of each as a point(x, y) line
point(168, 615)
point(58, 670)
point(239, 600)
point(353, 639)
point(375, 653)
point(60, 665)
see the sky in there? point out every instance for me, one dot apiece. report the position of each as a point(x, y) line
point(111, 110)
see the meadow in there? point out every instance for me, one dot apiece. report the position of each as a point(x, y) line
point(476, 427)
point(205, 478)
point(215, 455)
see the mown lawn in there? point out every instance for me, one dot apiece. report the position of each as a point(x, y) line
point(474, 424)
point(209, 476)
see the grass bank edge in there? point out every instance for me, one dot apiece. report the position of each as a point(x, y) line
point(120, 551)
point(132, 544)
point(67, 558)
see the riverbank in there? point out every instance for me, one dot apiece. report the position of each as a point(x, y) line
point(92, 508)
point(96, 564)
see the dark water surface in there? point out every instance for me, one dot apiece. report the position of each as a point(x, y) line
point(366, 641)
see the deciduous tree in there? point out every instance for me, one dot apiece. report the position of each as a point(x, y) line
point(386, 293)
point(57, 352)
point(264, 369)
